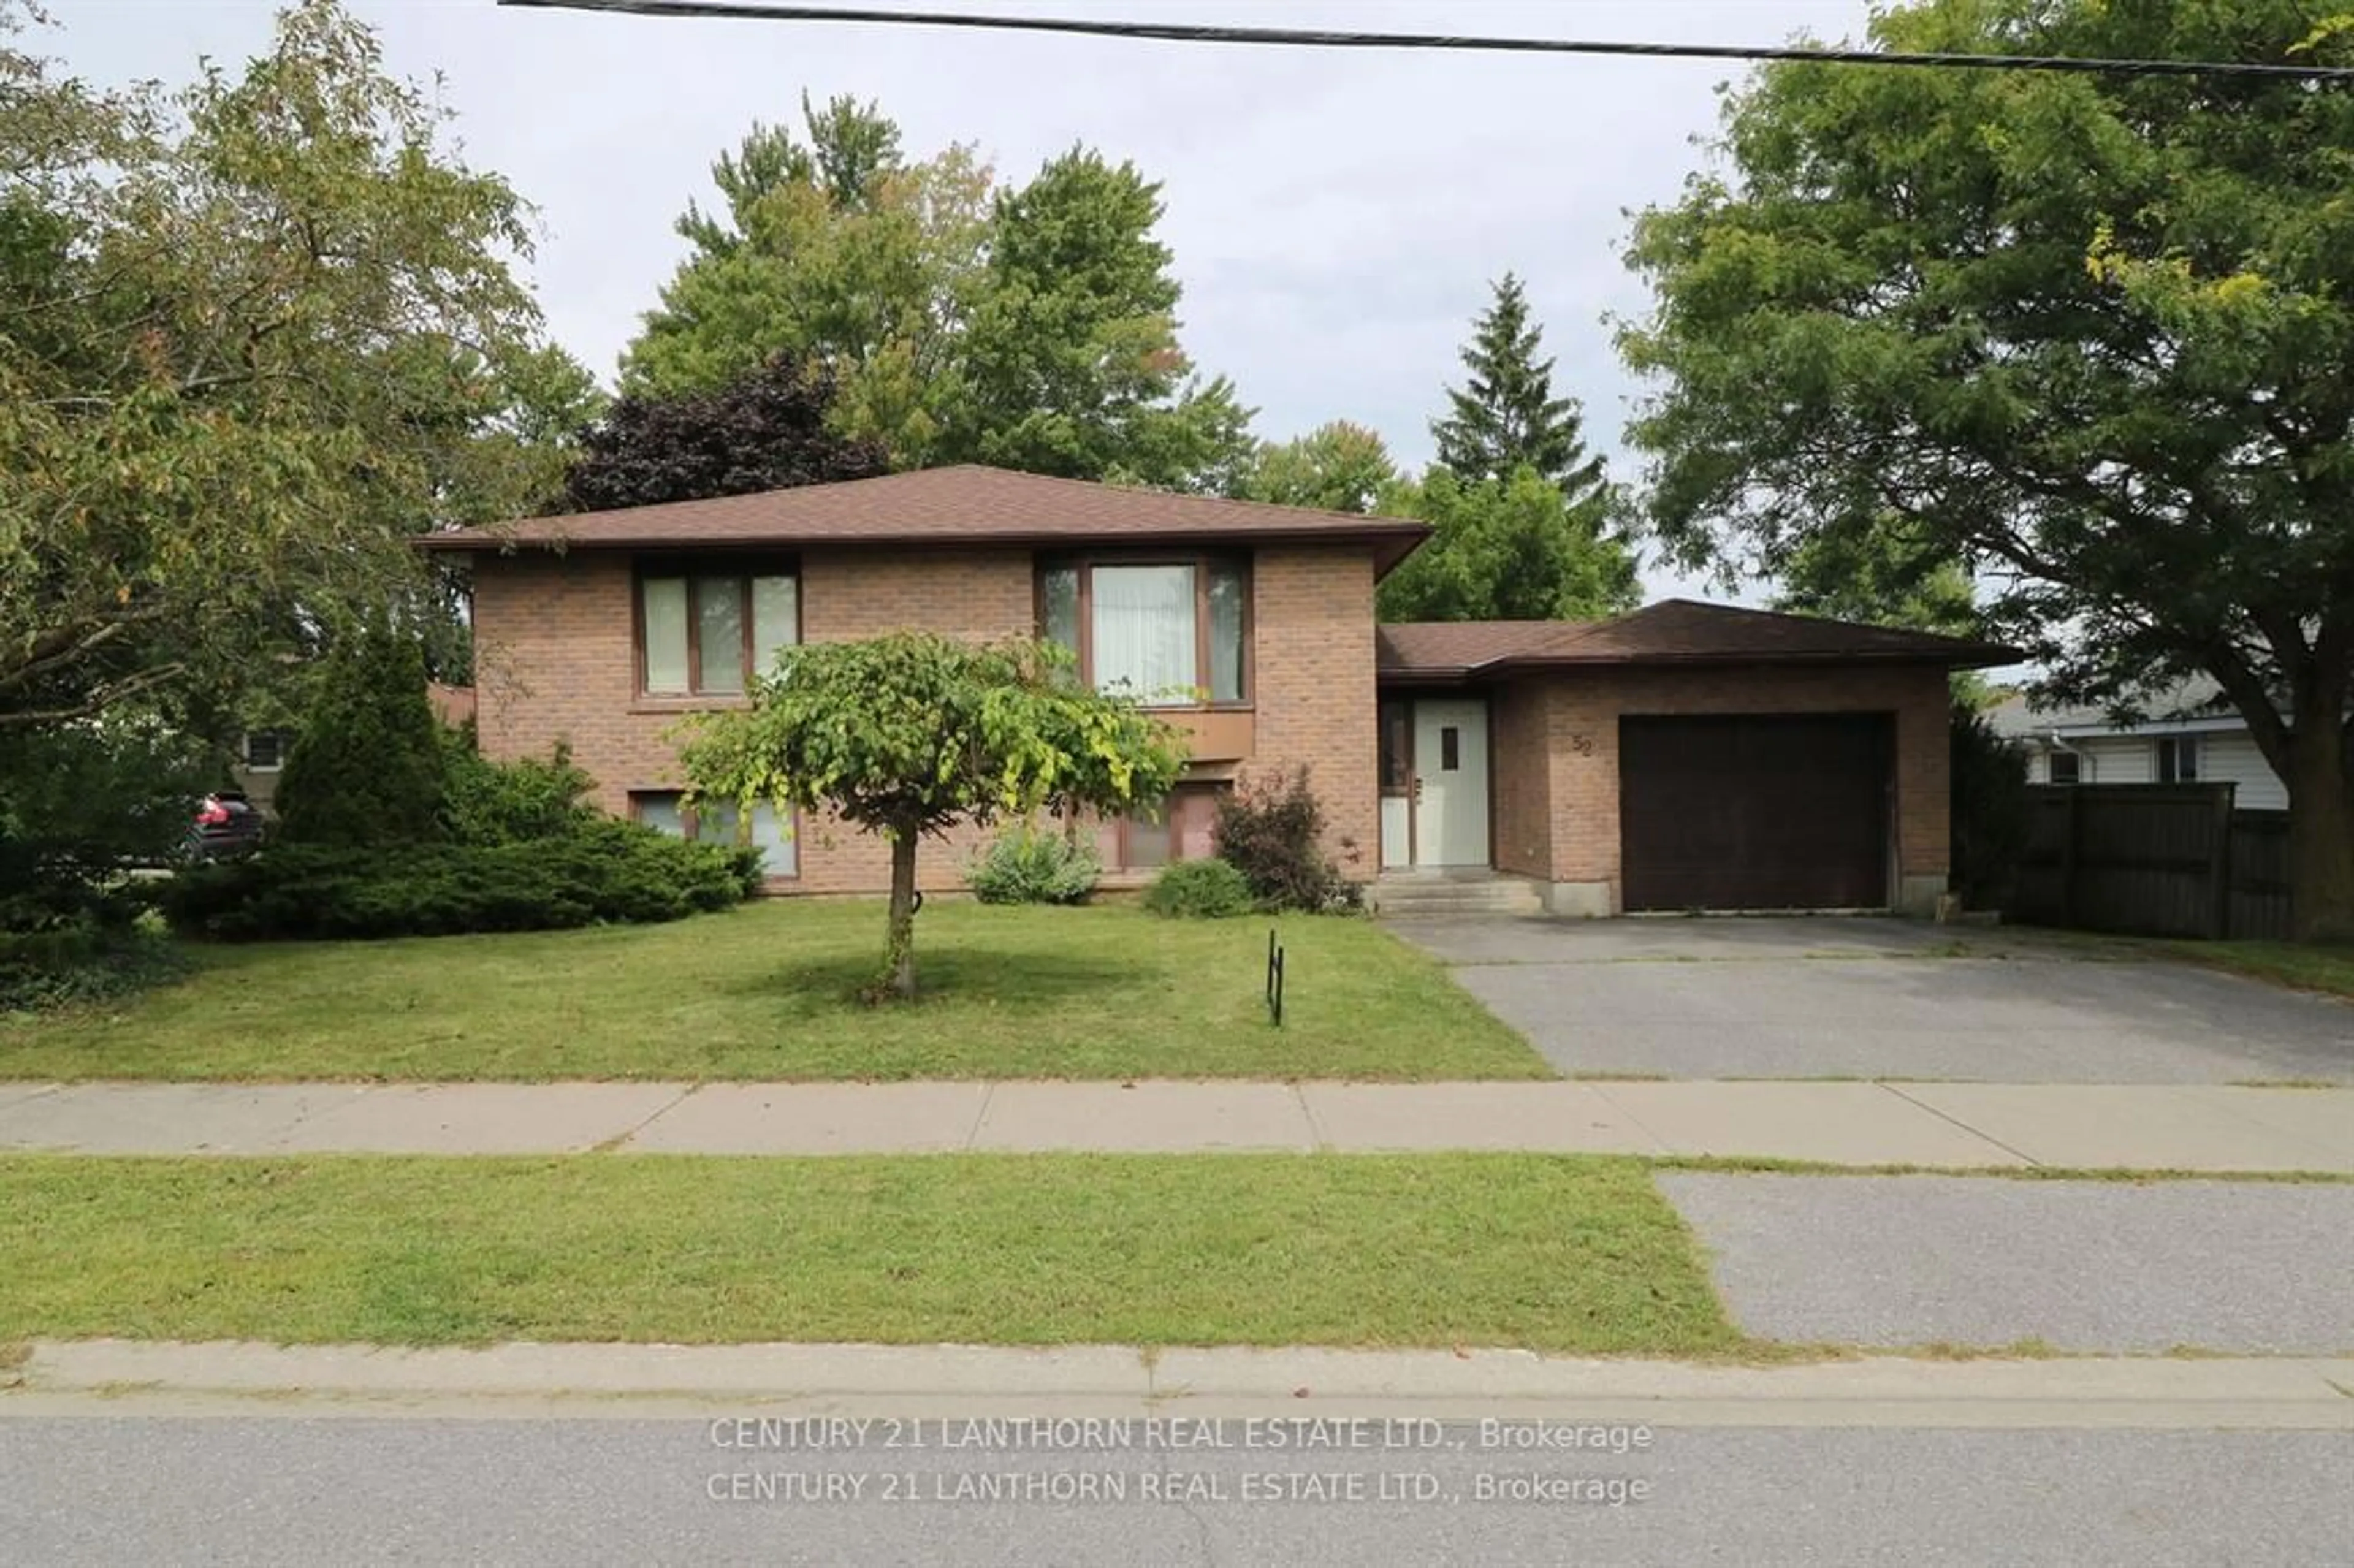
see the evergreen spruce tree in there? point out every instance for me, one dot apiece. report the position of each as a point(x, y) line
point(367, 767)
point(1506, 417)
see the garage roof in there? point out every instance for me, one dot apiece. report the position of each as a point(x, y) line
point(1672, 632)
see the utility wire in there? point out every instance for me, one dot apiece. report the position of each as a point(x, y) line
point(1308, 38)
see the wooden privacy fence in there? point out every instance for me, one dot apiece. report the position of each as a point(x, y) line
point(2152, 860)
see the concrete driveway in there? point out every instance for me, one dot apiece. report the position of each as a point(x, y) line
point(1830, 997)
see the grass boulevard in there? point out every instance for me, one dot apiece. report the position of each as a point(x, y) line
point(1573, 1254)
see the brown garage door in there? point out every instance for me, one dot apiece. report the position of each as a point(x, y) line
point(1754, 811)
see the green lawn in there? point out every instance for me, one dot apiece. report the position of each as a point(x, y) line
point(770, 991)
point(1567, 1255)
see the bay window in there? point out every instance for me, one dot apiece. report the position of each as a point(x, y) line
point(1170, 632)
point(704, 631)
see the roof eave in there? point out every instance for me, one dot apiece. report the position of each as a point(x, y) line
point(1391, 543)
point(1978, 658)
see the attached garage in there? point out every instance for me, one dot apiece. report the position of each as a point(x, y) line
point(1692, 757)
point(1755, 810)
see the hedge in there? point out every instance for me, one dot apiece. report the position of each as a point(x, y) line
point(606, 871)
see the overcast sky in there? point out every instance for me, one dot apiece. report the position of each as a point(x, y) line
point(1336, 216)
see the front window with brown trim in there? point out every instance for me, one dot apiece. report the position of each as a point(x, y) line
point(718, 821)
point(704, 628)
point(1180, 828)
point(1170, 630)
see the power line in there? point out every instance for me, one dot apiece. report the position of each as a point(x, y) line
point(1306, 37)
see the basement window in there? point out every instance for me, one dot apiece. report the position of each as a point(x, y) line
point(715, 822)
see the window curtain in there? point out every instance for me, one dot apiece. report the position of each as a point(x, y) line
point(719, 634)
point(775, 621)
point(1144, 632)
point(1059, 605)
point(666, 618)
point(716, 824)
point(1225, 635)
point(660, 812)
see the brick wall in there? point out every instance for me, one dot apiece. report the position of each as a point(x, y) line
point(1522, 830)
point(1313, 650)
point(1582, 712)
point(555, 660)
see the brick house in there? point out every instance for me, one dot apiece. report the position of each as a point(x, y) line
point(1685, 756)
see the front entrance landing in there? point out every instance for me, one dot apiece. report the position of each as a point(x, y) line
point(1824, 997)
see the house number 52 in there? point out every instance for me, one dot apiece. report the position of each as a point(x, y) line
point(1583, 745)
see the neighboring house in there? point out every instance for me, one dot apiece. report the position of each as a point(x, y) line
point(1685, 756)
point(260, 754)
point(2191, 733)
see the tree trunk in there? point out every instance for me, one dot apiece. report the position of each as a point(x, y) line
point(2320, 832)
point(900, 950)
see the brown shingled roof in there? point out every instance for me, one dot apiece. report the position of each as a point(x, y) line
point(964, 504)
point(1672, 632)
point(1427, 647)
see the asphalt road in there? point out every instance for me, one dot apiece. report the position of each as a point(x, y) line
point(301, 1490)
point(1828, 997)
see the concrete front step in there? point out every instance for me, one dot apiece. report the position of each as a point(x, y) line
point(1440, 896)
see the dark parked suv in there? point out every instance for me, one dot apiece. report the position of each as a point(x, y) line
point(226, 825)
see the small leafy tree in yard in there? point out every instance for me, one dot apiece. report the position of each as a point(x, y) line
point(1271, 830)
point(367, 768)
point(910, 733)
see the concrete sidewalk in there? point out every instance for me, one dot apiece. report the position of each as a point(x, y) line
point(844, 1385)
point(1947, 1126)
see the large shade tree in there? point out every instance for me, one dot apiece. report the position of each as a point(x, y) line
point(1336, 467)
point(1030, 325)
point(253, 337)
point(767, 428)
point(2092, 336)
point(1505, 549)
point(908, 735)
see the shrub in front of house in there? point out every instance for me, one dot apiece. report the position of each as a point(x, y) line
point(1201, 890)
point(1271, 831)
point(607, 871)
point(489, 804)
point(1024, 865)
